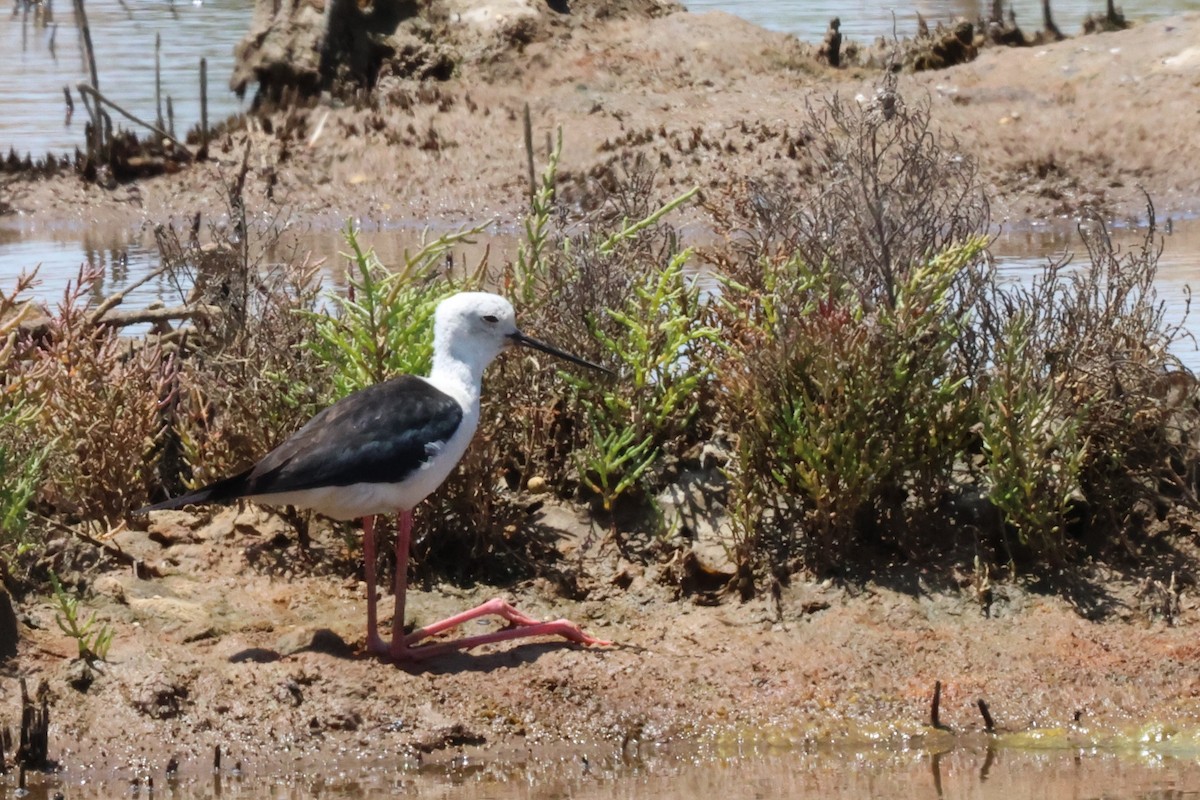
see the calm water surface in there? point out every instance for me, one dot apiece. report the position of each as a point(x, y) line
point(38, 59)
point(126, 255)
point(979, 773)
point(866, 19)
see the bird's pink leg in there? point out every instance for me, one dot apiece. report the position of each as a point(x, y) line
point(524, 626)
point(401, 647)
point(403, 539)
point(374, 643)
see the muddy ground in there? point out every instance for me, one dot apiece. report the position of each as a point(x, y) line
point(247, 642)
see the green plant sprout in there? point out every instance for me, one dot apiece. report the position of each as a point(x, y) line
point(529, 268)
point(18, 479)
point(93, 637)
point(381, 326)
point(1033, 444)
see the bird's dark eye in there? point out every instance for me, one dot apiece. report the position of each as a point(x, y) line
point(491, 319)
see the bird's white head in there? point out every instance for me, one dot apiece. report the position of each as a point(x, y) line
point(474, 327)
point(471, 328)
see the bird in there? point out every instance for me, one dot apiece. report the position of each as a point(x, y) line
point(384, 449)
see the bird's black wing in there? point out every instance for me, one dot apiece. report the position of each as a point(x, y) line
point(380, 434)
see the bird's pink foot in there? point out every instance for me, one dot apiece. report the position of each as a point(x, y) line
point(520, 626)
point(376, 645)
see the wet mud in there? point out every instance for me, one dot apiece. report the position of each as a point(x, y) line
point(240, 639)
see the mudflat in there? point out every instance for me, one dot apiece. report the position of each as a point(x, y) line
point(245, 641)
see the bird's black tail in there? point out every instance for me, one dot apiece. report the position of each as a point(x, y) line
point(223, 491)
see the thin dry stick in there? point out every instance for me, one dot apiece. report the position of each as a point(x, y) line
point(988, 723)
point(89, 52)
point(1048, 22)
point(116, 298)
point(316, 134)
point(529, 155)
point(204, 107)
point(99, 98)
point(119, 319)
point(937, 701)
point(141, 569)
point(158, 79)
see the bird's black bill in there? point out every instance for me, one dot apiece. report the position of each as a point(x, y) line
point(527, 341)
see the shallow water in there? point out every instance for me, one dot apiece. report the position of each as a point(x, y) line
point(982, 769)
point(32, 75)
point(127, 255)
point(866, 19)
point(37, 60)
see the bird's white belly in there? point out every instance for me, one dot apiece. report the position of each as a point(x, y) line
point(366, 499)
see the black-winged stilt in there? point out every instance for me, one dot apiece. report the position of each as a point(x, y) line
point(385, 448)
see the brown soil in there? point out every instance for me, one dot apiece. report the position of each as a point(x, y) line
point(246, 642)
point(219, 650)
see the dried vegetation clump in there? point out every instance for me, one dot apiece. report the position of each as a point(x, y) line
point(891, 397)
point(843, 373)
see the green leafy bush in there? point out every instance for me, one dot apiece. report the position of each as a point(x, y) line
point(1031, 440)
point(664, 349)
point(20, 474)
point(21, 458)
point(843, 409)
point(1085, 414)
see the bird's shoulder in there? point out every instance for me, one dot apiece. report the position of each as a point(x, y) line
point(401, 402)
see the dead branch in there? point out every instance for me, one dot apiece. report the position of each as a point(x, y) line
point(85, 88)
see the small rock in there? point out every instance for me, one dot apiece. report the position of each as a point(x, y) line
point(181, 619)
point(169, 532)
point(108, 586)
point(537, 485)
point(342, 719)
point(158, 696)
point(221, 527)
point(456, 735)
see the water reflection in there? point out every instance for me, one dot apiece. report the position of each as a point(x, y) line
point(983, 769)
point(120, 257)
point(125, 256)
point(1022, 255)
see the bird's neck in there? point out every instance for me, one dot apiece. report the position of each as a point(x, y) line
point(458, 376)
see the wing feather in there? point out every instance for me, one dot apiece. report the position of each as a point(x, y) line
point(381, 434)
